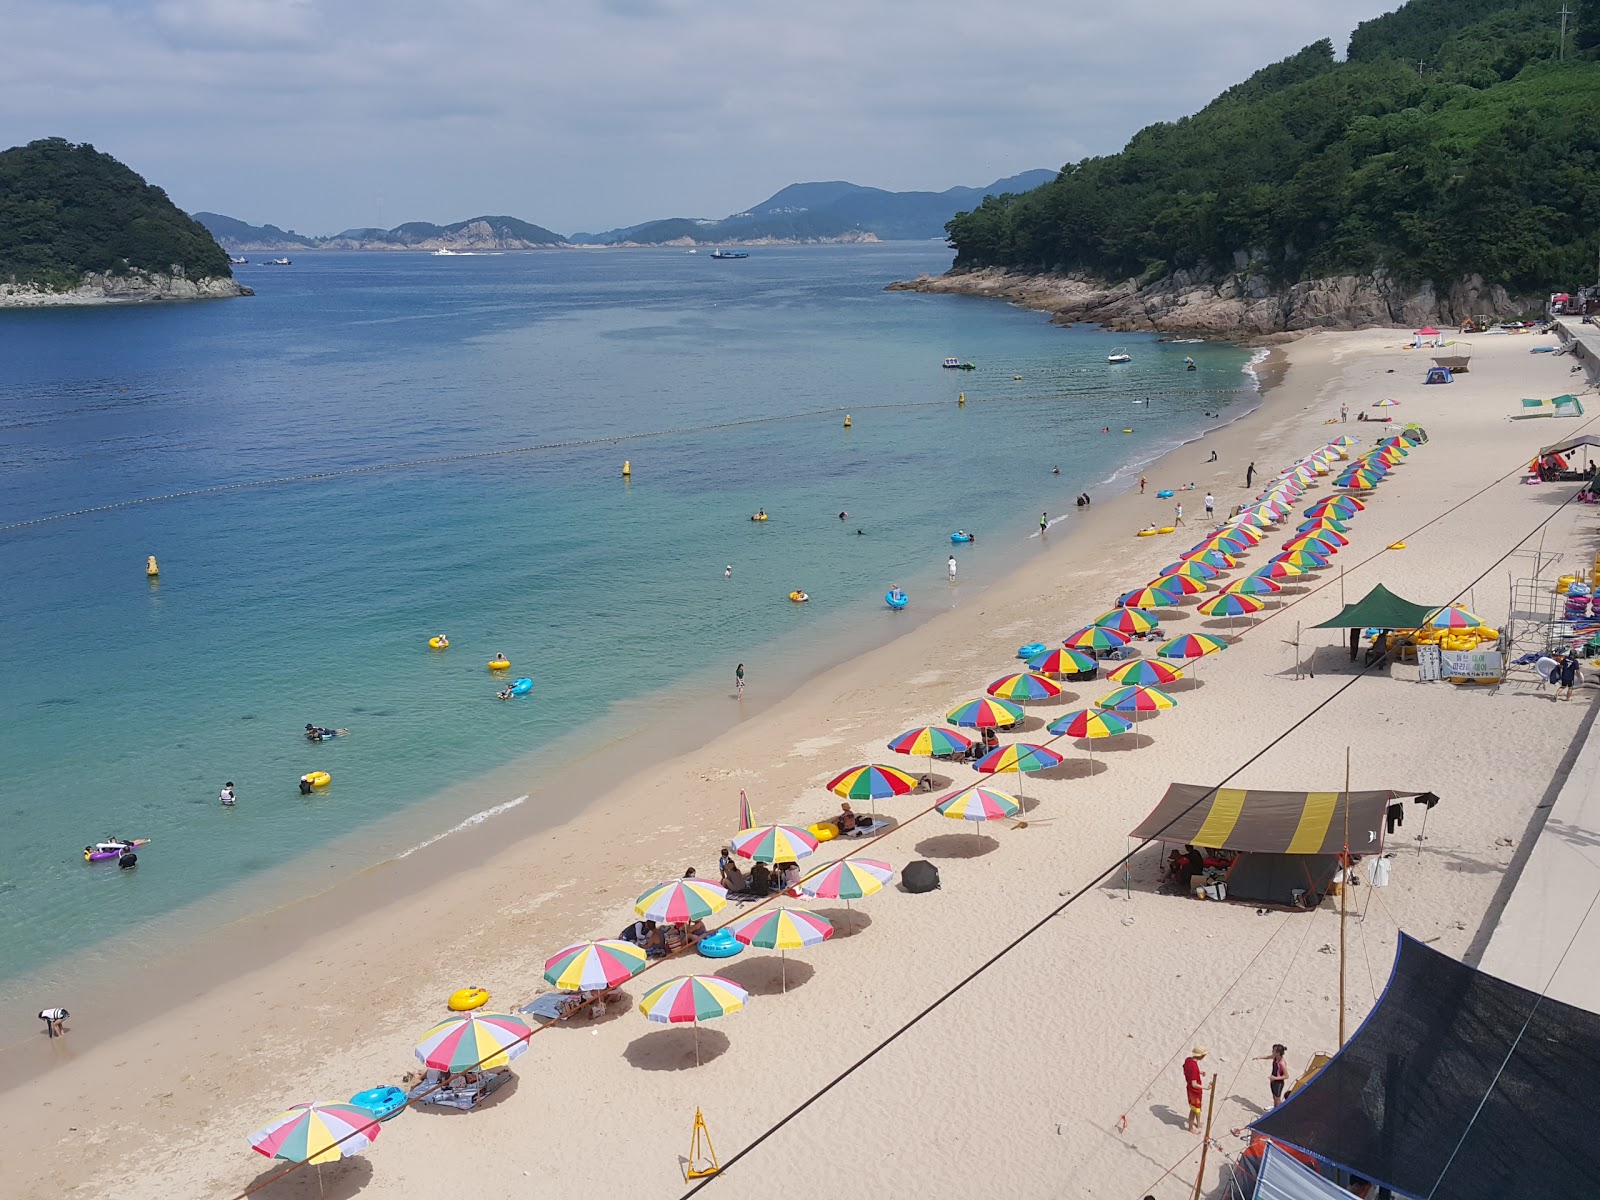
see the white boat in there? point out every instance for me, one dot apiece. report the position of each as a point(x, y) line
point(1119, 355)
point(238, 262)
point(446, 252)
point(278, 262)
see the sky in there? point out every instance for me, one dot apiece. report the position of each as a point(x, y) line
point(321, 115)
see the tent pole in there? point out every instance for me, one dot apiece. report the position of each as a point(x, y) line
point(1205, 1143)
point(1344, 890)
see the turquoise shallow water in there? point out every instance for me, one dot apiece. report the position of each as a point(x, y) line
point(127, 704)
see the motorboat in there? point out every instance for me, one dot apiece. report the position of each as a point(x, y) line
point(729, 254)
point(238, 262)
point(955, 364)
point(279, 262)
point(1119, 355)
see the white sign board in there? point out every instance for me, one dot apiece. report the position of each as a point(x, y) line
point(1428, 663)
point(1472, 664)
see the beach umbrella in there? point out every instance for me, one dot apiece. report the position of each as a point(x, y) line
point(1253, 517)
point(1143, 672)
point(1248, 533)
point(1230, 542)
point(1231, 605)
point(1025, 685)
point(690, 999)
point(745, 819)
point(473, 1041)
point(1095, 638)
point(1192, 645)
point(848, 879)
point(980, 804)
point(1254, 585)
point(1062, 661)
point(1128, 621)
point(986, 712)
point(681, 901)
point(1190, 568)
point(1453, 618)
point(1090, 723)
point(1303, 558)
point(1213, 556)
point(1188, 585)
point(1277, 569)
point(1019, 758)
point(594, 966)
point(318, 1132)
point(1344, 506)
point(932, 740)
point(1345, 439)
point(773, 844)
point(1319, 542)
point(1386, 402)
point(871, 782)
point(1136, 700)
point(1364, 480)
point(1329, 523)
point(1149, 597)
point(782, 929)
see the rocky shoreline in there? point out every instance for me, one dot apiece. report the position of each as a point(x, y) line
point(136, 287)
point(1242, 304)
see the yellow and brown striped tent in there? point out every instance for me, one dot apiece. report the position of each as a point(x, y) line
point(1254, 821)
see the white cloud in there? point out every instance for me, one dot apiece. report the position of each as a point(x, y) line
point(592, 113)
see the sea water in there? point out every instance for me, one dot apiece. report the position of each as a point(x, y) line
point(447, 437)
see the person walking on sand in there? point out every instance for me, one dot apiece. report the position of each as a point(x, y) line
point(54, 1021)
point(1177, 518)
point(1278, 1072)
point(1344, 411)
point(1194, 1086)
point(1210, 504)
point(1249, 474)
point(1142, 482)
point(738, 680)
point(1044, 520)
point(1566, 675)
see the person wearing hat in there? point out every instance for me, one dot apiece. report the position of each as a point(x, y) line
point(1194, 1084)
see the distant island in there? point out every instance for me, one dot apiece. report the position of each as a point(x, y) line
point(1445, 169)
point(800, 214)
point(79, 227)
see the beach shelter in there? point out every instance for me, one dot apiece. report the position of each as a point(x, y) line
point(1282, 1176)
point(1439, 375)
point(1458, 1086)
point(1378, 609)
point(1283, 843)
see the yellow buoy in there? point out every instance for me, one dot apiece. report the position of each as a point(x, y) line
point(962, 400)
point(847, 420)
point(150, 568)
point(627, 469)
point(1397, 545)
point(1127, 431)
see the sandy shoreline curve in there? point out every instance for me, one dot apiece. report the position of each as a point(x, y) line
point(1069, 1045)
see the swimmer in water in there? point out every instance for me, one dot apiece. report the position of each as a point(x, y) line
point(727, 571)
point(226, 794)
point(843, 515)
point(503, 694)
point(1055, 470)
point(861, 533)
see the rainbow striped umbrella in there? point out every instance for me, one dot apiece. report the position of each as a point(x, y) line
point(1322, 541)
point(980, 804)
point(773, 844)
point(986, 712)
point(871, 782)
point(690, 999)
point(1278, 569)
point(931, 740)
point(1192, 645)
point(1254, 585)
point(1213, 557)
point(1186, 584)
point(1149, 597)
point(1454, 618)
point(1018, 758)
point(1327, 522)
point(1363, 479)
point(1136, 700)
point(1143, 672)
point(1231, 543)
point(1231, 604)
point(1253, 517)
point(1095, 638)
point(746, 821)
point(1090, 723)
point(1245, 533)
point(1128, 621)
point(1345, 439)
point(1386, 402)
point(1308, 559)
point(594, 966)
point(1025, 685)
point(1191, 568)
point(1063, 662)
point(848, 879)
point(473, 1041)
point(783, 929)
point(681, 901)
point(1344, 507)
point(317, 1132)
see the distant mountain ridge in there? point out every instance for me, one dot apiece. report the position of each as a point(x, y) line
point(476, 233)
point(832, 211)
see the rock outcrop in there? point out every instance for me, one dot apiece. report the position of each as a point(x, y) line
point(1240, 304)
point(135, 287)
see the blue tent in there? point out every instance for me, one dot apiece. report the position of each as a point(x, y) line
point(1439, 375)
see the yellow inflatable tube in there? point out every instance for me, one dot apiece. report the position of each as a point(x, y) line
point(317, 778)
point(799, 597)
point(823, 831)
point(467, 999)
point(439, 643)
point(499, 664)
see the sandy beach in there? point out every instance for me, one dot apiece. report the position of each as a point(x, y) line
point(1067, 1048)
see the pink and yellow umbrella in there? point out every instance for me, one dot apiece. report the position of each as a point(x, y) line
point(773, 844)
point(316, 1133)
point(681, 901)
point(690, 999)
point(980, 804)
point(783, 929)
point(594, 966)
point(848, 879)
point(473, 1041)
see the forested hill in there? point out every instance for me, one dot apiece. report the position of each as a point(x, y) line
point(68, 210)
point(1485, 160)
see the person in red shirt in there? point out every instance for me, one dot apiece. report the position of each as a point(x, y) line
point(1194, 1085)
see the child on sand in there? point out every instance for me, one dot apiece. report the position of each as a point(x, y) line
point(1278, 1072)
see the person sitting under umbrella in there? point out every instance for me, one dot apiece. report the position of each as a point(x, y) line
point(845, 822)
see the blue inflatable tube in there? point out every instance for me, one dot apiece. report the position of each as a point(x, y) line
point(522, 687)
point(720, 944)
point(896, 599)
point(1031, 650)
point(1165, 494)
point(958, 538)
point(381, 1102)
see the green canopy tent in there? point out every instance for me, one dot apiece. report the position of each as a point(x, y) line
point(1378, 609)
